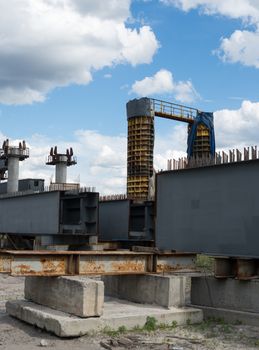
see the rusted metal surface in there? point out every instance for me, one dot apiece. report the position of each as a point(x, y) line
point(174, 262)
point(44, 266)
point(246, 269)
point(236, 267)
point(60, 263)
point(114, 264)
point(5, 263)
point(224, 267)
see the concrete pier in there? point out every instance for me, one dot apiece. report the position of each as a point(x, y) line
point(167, 290)
point(61, 172)
point(13, 174)
point(61, 162)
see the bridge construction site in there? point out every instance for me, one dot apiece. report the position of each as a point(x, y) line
point(138, 247)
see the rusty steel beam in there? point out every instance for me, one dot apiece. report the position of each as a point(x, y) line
point(224, 267)
point(177, 262)
point(246, 269)
point(62, 263)
point(236, 267)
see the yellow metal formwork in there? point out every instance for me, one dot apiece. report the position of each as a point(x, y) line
point(140, 156)
point(201, 147)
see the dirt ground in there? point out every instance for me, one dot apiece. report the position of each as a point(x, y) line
point(207, 335)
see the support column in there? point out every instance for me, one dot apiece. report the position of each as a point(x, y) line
point(61, 173)
point(13, 175)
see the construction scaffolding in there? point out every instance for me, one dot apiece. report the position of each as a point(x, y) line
point(141, 113)
point(140, 156)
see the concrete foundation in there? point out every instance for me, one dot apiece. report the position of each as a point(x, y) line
point(166, 290)
point(229, 299)
point(78, 296)
point(116, 313)
point(226, 293)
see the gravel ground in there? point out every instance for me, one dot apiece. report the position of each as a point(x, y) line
point(207, 335)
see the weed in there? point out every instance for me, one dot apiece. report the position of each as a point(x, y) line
point(163, 326)
point(226, 328)
point(110, 332)
point(174, 324)
point(151, 324)
point(205, 263)
point(114, 332)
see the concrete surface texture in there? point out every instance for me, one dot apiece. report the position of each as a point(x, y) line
point(117, 313)
point(166, 290)
point(80, 296)
point(226, 293)
point(211, 335)
point(11, 288)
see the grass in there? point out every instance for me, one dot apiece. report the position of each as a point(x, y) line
point(210, 329)
point(150, 325)
point(205, 263)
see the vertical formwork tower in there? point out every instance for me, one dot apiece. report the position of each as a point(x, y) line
point(140, 149)
point(201, 138)
point(201, 144)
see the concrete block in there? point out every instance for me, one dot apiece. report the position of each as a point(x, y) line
point(225, 293)
point(166, 290)
point(80, 296)
point(116, 313)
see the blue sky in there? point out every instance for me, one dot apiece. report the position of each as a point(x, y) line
point(57, 79)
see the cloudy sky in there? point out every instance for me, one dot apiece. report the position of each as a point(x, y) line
point(68, 67)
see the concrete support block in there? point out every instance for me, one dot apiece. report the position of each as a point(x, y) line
point(116, 314)
point(83, 297)
point(166, 290)
point(225, 293)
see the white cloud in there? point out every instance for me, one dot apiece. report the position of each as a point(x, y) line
point(101, 160)
point(245, 9)
point(51, 43)
point(237, 128)
point(243, 45)
point(162, 82)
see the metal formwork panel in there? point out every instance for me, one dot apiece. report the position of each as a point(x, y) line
point(114, 220)
point(30, 214)
point(123, 220)
point(213, 210)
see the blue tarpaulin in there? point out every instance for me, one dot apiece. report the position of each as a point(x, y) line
point(206, 119)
